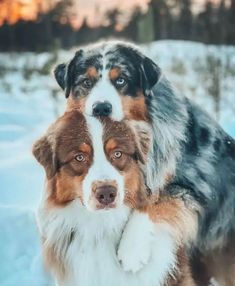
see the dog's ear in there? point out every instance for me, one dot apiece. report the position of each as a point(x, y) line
point(42, 151)
point(59, 73)
point(150, 74)
point(66, 73)
point(143, 139)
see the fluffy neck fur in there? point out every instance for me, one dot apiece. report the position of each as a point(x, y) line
point(81, 247)
point(71, 234)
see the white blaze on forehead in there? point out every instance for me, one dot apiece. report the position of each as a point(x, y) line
point(105, 91)
point(101, 169)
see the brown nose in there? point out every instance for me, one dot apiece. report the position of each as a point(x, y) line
point(106, 195)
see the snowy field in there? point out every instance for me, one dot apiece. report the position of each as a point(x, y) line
point(30, 100)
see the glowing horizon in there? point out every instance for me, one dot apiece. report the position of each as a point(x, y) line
point(93, 11)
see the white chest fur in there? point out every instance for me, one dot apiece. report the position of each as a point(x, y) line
point(91, 257)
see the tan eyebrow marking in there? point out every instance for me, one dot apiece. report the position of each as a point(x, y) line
point(92, 72)
point(110, 145)
point(114, 73)
point(84, 147)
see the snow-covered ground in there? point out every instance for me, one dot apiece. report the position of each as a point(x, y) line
point(30, 100)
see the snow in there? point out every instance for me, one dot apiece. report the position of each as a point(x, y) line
point(30, 100)
point(19, 250)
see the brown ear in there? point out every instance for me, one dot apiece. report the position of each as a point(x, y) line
point(42, 151)
point(143, 139)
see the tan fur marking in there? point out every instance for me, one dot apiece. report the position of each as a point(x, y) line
point(64, 189)
point(114, 73)
point(183, 276)
point(173, 211)
point(85, 148)
point(110, 145)
point(134, 107)
point(92, 72)
point(135, 193)
point(75, 103)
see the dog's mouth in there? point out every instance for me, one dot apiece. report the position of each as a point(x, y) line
point(107, 207)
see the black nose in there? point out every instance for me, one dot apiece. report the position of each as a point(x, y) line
point(106, 195)
point(102, 109)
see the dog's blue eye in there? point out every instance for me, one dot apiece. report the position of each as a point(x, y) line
point(87, 83)
point(120, 81)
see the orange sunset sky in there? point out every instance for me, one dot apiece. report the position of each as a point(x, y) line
point(92, 10)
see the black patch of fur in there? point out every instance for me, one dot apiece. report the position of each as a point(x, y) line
point(217, 144)
point(192, 145)
point(204, 135)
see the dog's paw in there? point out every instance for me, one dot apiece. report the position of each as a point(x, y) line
point(131, 257)
point(136, 243)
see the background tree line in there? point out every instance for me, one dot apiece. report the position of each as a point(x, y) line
point(165, 19)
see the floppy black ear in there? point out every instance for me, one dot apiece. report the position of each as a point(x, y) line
point(59, 73)
point(66, 73)
point(42, 151)
point(150, 74)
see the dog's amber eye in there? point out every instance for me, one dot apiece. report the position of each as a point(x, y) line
point(117, 154)
point(80, 158)
point(120, 81)
point(87, 83)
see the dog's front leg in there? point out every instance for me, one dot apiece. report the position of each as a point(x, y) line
point(146, 241)
point(136, 243)
point(155, 235)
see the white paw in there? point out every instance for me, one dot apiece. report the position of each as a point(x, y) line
point(131, 257)
point(136, 243)
point(213, 282)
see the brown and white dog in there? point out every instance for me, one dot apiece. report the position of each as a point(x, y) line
point(97, 222)
point(191, 157)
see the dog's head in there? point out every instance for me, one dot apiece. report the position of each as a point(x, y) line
point(96, 161)
point(109, 79)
